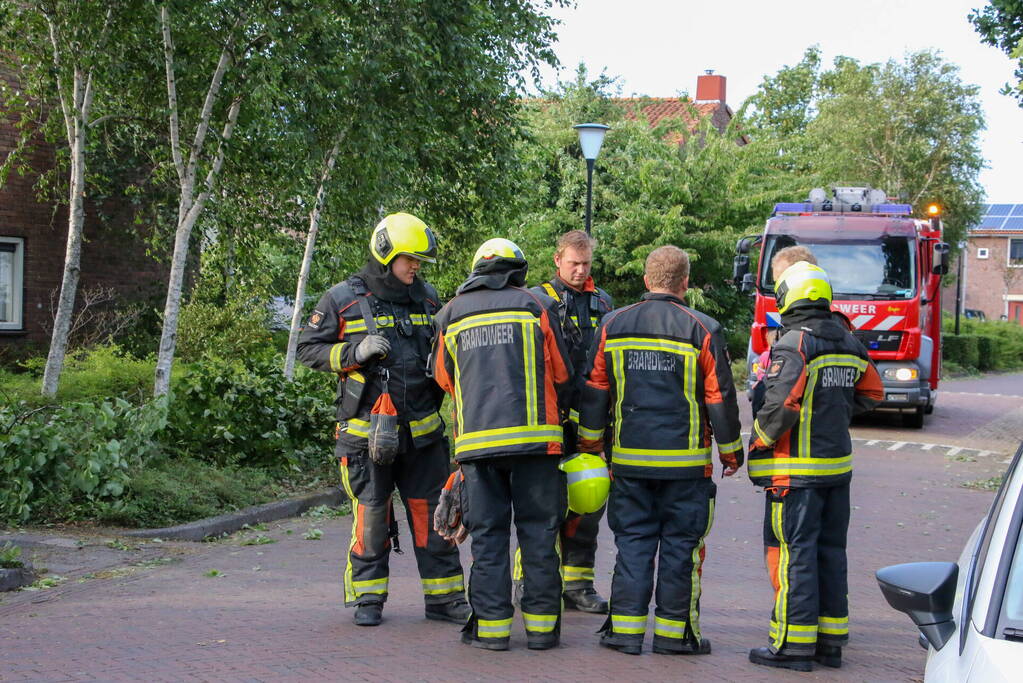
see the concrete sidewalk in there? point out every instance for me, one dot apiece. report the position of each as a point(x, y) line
point(274, 612)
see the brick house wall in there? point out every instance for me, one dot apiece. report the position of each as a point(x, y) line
point(112, 255)
point(990, 284)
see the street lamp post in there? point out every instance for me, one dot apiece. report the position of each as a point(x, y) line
point(591, 137)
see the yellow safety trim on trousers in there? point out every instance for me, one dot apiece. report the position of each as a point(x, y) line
point(731, 446)
point(767, 441)
point(424, 426)
point(540, 623)
point(577, 573)
point(506, 436)
point(493, 628)
point(656, 457)
point(669, 628)
point(695, 583)
point(806, 467)
point(833, 626)
point(357, 427)
point(347, 485)
point(781, 601)
point(370, 587)
point(517, 573)
point(806, 409)
point(491, 319)
point(624, 623)
point(448, 584)
point(798, 634)
point(573, 416)
point(590, 434)
point(529, 373)
point(335, 356)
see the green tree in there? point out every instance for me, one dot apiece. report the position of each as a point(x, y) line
point(1000, 24)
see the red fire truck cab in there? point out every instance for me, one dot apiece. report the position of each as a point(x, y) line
point(885, 268)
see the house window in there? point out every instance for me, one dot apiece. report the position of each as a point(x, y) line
point(12, 257)
point(982, 252)
point(1016, 253)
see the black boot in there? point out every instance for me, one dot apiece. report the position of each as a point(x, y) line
point(488, 644)
point(764, 657)
point(608, 640)
point(687, 648)
point(456, 611)
point(369, 614)
point(586, 600)
point(828, 655)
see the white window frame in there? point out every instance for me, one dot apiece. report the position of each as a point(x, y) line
point(983, 253)
point(18, 323)
point(1008, 253)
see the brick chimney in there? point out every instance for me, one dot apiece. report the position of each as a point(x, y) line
point(710, 88)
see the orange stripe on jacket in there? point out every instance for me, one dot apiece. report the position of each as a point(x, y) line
point(870, 384)
point(711, 387)
point(598, 376)
point(440, 368)
point(555, 370)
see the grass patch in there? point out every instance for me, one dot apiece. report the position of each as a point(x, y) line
point(102, 372)
point(991, 484)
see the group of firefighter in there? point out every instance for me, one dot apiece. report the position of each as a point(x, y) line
point(565, 406)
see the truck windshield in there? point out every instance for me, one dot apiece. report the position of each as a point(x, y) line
point(872, 269)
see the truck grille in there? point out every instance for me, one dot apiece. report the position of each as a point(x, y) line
point(879, 340)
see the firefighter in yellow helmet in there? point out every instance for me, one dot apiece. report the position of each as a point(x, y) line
point(373, 330)
point(499, 352)
point(660, 374)
point(819, 375)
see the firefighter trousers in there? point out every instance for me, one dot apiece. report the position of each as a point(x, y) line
point(666, 520)
point(805, 539)
point(418, 475)
point(578, 536)
point(530, 490)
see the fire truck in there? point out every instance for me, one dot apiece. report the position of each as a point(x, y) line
point(885, 268)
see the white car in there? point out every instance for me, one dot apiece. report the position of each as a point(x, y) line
point(970, 613)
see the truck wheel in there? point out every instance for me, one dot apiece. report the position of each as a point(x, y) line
point(915, 419)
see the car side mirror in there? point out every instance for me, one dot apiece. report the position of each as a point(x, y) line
point(748, 283)
point(925, 591)
point(740, 269)
point(939, 258)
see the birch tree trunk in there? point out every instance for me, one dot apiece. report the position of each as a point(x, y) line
point(307, 259)
point(76, 123)
point(190, 206)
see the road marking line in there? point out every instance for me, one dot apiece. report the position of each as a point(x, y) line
point(927, 446)
point(897, 445)
point(983, 454)
point(955, 450)
point(872, 442)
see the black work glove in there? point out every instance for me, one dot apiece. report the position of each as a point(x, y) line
point(372, 346)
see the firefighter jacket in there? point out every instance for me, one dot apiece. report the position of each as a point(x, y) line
point(500, 353)
point(660, 371)
point(580, 314)
point(328, 343)
point(819, 376)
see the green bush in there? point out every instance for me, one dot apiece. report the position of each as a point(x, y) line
point(235, 330)
point(99, 373)
point(962, 350)
point(247, 413)
point(987, 352)
point(1007, 336)
point(80, 453)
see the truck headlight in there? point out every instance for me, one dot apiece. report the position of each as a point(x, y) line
point(901, 374)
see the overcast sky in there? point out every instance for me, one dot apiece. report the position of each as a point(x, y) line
point(659, 47)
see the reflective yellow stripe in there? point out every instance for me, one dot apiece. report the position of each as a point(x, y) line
point(529, 363)
point(359, 325)
point(430, 423)
point(573, 416)
point(491, 319)
point(801, 634)
point(578, 573)
point(553, 293)
point(833, 626)
point(650, 344)
point(623, 623)
point(695, 578)
point(335, 356)
point(844, 359)
point(370, 587)
point(506, 436)
point(448, 584)
point(730, 447)
point(493, 628)
point(781, 602)
point(540, 623)
point(618, 368)
point(656, 457)
point(420, 319)
point(358, 427)
point(451, 343)
point(347, 484)
point(767, 441)
point(803, 444)
point(669, 628)
point(590, 434)
point(806, 467)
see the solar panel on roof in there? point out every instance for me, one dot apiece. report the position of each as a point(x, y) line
point(1017, 210)
point(990, 223)
point(999, 209)
point(1013, 224)
point(984, 209)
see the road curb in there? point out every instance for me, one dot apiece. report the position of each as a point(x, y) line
point(12, 579)
point(233, 521)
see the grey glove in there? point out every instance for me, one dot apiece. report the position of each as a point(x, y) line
point(447, 518)
point(372, 346)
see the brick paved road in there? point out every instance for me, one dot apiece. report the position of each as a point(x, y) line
point(275, 612)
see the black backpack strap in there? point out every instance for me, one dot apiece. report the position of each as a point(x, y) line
point(362, 295)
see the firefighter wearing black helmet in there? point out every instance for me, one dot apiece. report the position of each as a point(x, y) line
point(374, 331)
point(818, 377)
